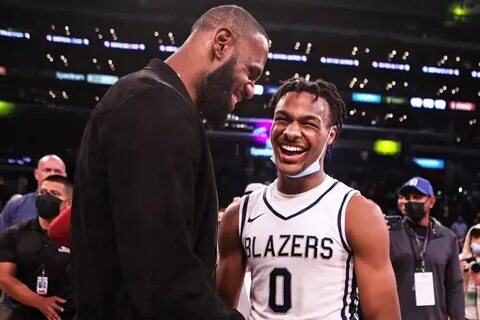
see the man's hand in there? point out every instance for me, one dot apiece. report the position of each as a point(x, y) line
point(50, 307)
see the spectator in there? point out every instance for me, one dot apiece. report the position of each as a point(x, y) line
point(424, 256)
point(23, 208)
point(35, 271)
point(460, 228)
point(470, 258)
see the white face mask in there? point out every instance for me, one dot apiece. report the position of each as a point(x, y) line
point(314, 167)
point(475, 248)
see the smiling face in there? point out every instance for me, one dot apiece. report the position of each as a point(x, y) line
point(233, 80)
point(301, 131)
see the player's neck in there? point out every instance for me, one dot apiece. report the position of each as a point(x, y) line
point(289, 185)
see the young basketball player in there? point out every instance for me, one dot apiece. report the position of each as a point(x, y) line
point(314, 245)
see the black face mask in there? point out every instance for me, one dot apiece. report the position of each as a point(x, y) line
point(415, 210)
point(48, 206)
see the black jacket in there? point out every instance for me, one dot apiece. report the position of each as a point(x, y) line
point(145, 206)
point(442, 260)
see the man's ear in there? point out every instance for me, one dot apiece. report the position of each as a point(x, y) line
point(431, 202)
point(332, 135)
point(36, 173)
point(222, 43)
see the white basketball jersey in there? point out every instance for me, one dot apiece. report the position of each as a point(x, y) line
point(301, 264)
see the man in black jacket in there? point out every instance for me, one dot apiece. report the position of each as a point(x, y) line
point(144, 214)
point(425, 259)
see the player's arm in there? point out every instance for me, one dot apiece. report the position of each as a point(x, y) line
point(232, 260)
point(368, 237)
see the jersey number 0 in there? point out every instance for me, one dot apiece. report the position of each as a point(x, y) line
point(287, 290)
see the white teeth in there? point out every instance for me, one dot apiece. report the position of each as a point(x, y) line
point(292, 148)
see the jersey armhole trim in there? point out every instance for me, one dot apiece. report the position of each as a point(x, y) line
point(341, 220)
point(243, 216)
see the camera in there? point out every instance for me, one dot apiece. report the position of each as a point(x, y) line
point(394, 222)
point(475, 266)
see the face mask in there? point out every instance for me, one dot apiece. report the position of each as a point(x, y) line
point(475, 248)
point(415, 210)
point(48, 206)
point(314, 167)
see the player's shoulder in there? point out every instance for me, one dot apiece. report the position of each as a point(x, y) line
point(340, 186)
point(231, 213)
point(361, 210)
point(361, 203)
point(256, 193)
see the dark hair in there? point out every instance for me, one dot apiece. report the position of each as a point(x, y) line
point(319, 88)
point(475, 233)
point(63, 180)
point(234, 17)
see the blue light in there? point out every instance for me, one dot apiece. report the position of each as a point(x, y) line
point(271, 90)
point(416, 102)
point(170, 49)
point(261, 152)
point(287, 57)
point(427, 103)
point(366, 97)
point(430, 163)
point(340, 61)
point(124, 45)
point(69, 76)
point(68, 40)
point(14, 34)
point(391, 66)
point(101, 79)
point(442, 71)
point(258, 90)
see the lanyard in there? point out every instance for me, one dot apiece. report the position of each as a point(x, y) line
point(420, 247)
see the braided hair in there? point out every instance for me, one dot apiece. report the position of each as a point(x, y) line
point(319, 88)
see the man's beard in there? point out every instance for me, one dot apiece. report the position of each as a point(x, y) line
point(215, 94)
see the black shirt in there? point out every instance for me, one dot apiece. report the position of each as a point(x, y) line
point(441, 259)
point(144, 211)
point(27, 246)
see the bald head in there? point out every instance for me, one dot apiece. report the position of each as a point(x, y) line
point(229, 16)
point(49, 165)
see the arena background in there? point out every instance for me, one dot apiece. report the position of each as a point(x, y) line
point(408, 70)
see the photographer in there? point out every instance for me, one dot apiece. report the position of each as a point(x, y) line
point(470, 259)
point(424, 257)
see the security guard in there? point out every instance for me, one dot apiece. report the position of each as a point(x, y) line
point(425, 260)
point(35, 271)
